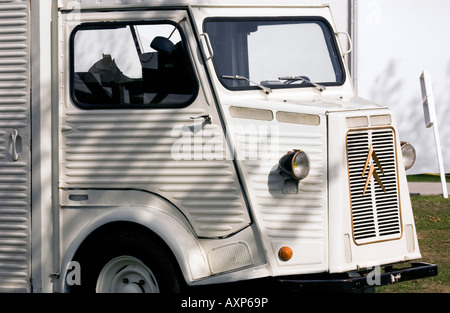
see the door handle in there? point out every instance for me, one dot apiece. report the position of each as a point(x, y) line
point(350, 43)
point(209, 46)
point(14, 135)
point(207, 118)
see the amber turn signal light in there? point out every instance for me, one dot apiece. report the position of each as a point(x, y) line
point(285, 253)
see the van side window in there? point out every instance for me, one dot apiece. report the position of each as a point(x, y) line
point(127, 65)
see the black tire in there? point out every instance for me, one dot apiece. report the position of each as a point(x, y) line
point(108, 245)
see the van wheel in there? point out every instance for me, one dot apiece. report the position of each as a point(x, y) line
point(124, 262)
point(126, 274)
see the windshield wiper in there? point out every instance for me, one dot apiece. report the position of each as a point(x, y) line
point(303, 79)
point(238, 77)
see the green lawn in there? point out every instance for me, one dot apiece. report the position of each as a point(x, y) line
point(433, 230)
point(427, 178)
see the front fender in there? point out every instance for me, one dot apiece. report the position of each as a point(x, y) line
point(148, 210)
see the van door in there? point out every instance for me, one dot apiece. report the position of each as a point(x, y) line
point(15, 247)
point(138, 114)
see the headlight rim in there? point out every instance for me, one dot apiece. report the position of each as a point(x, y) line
point(288, 164)
point(408, 160)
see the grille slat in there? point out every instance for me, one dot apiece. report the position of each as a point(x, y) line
point(375, 210)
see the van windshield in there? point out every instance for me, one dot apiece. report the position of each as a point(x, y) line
point(274, 52)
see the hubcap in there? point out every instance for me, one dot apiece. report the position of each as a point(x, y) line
point(126, 274)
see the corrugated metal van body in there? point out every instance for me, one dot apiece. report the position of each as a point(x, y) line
point(288, 213)
point(133, 150)
point(172, 153)
point(15, 246)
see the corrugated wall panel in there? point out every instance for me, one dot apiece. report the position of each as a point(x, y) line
point(292, 214)
point(15, 246)
point(143, 150)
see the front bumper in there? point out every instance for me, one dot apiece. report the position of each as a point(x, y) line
point(358, 280)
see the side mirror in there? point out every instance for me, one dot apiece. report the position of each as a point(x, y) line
point(163, 45)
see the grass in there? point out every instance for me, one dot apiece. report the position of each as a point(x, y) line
point(427, 178)
point(432, 218)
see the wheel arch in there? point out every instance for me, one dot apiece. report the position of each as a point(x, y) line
point(179, 241)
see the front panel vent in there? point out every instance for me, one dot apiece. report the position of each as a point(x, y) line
point(374, 193)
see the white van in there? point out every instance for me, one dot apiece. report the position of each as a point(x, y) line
point(153, 146)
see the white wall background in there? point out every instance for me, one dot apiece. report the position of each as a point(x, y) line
point(395, 41)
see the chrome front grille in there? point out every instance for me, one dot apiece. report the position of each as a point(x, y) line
point(374, 194)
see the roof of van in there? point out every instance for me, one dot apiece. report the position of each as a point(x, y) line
point(85, 4)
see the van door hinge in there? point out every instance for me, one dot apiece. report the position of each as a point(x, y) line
point(54, 275)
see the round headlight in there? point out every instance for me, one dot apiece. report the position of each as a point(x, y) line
point(409, 155)
point(295, 164)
